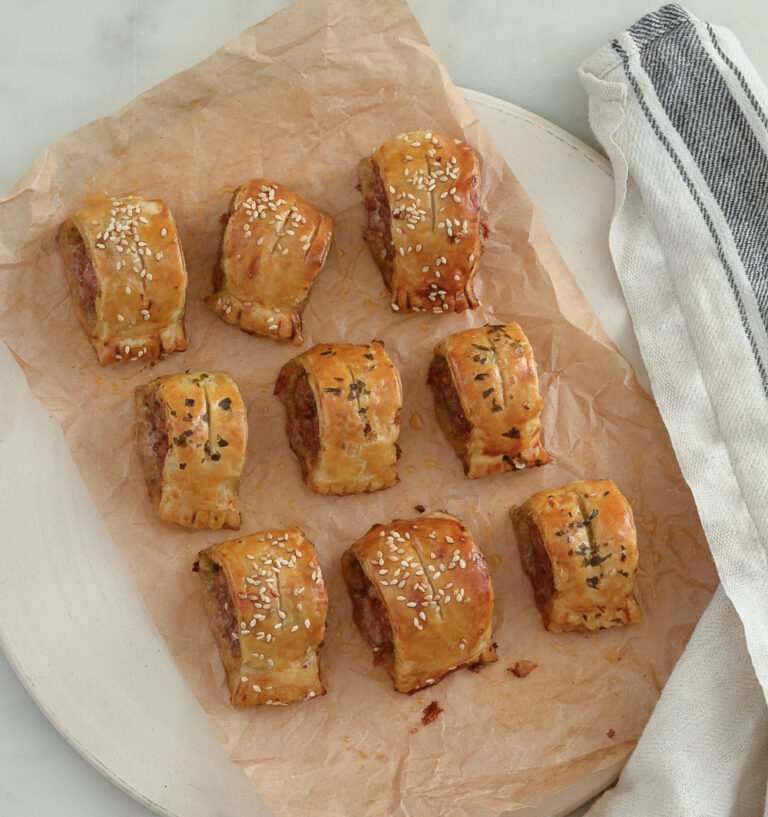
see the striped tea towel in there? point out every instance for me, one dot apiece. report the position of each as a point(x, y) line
point(683, 118)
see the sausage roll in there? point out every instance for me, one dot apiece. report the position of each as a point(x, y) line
point(192, 433)
point(424, 228)
point(421, 597)
point(274, 245)
point(266, 603)
point(487, 399)
point(127, 277)
point(343, 416)
point(579, 548)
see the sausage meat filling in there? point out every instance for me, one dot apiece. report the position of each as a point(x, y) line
point(303, 422)
point(379, 229)
point(448, 400)
point(541, 578)
point(225, 622)
point(369, 613)
point(83, 275)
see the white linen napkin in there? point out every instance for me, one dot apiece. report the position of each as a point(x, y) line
point(683, 117)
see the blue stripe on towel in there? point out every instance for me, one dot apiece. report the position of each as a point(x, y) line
point(702, 209)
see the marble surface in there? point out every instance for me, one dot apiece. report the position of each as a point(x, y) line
point(64, 64)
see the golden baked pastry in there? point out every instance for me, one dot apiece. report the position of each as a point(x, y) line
point(126, 273)
point(422, 598)
point(487, 399)
point(266, 603)
point(578, 546)
point(274, 245)
point(343, 416)
point(421, 191)
point(192, 434)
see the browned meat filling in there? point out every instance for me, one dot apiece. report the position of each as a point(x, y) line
point(448, 398)
point(158, 431)
point(369, 612)
point(303, 422)
point(225, 623)
point(542, 580)
point(379, 229)
point(82, 274)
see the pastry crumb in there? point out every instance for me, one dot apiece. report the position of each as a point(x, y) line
point(522, 668)
point(431, 712)
point(611, 733)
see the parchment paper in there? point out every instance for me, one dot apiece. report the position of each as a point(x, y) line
point(299, 99)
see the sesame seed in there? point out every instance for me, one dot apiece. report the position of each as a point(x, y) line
point(127, 290)
point(244, 679)
point(120, 317)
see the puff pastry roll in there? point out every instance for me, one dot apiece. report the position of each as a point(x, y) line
point(343, 416)
point(275, 243)
point(126, 273)
point(424, 227)
point(192, 434)
point(487, 399)
point(266, 603)
point(422, 598)
point(579, 548)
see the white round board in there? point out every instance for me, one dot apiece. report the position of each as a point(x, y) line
point(72, 623)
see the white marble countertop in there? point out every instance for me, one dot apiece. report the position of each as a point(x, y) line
point(64, 64)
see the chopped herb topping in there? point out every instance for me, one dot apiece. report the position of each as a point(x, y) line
point(593, 580)
point(488, 392)
point(181, 440)
point(334, 390)
point(182, 466)
point(482, 348)
point(216, 456)
point(225, 404)
point(513, 433)
point(327, 352)
point(190, 401)
point(481, 376)
point(594, 513)
point(223, 443)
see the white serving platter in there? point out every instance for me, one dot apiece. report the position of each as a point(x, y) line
point(72, 623)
